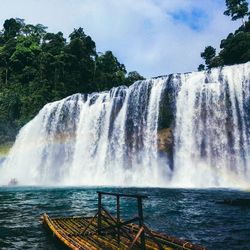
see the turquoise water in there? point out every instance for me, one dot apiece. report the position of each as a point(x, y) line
point(190, 214)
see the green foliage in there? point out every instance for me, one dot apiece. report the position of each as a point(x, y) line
point(208, 54)
point(201, 67)
point(109, 72)
point(236, 9)
point(133, 76)
point(235, 48)
point(37, 67)
point(12, 27)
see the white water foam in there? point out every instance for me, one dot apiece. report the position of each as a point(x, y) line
point(110, 138)
point(212, 129)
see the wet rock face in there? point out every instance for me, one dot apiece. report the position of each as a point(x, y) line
point(165, 140)
point(165, 144)
point(167, 106)
point(166, 121)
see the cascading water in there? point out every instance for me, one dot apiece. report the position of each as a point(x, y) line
point(111, 138)
point(212, 146)
point(99, 139)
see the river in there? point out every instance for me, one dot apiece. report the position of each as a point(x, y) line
point(192, 214)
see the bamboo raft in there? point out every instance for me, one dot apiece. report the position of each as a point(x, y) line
point(103, 231)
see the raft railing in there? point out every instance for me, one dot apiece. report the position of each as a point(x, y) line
point(118, 227)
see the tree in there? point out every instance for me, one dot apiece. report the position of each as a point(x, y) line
point(132, 77)
point(38, 31)
point(201, 67)
point(81, 52)
point(109, 71)
point(37, 67)
point(237, 9)
point(12, 27)
point(53, 43)
point(23, 61)
point(216, 61)
point(87, 42)
point(235, 48)
point(6, 51)
point(208, 54)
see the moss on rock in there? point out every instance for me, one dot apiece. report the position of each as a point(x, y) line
point(5, 148)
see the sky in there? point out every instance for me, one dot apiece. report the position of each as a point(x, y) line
point(153, 37)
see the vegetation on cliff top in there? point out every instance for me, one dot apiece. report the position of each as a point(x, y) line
point(37, 67)
point(235, 48)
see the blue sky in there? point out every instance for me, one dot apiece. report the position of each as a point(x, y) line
point(195, 18)
point(154, 37)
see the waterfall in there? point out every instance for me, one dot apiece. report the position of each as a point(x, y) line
point(107, 138)
point(112, 138)
point(212, 146)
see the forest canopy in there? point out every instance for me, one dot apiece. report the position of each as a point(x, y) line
point(37, 67)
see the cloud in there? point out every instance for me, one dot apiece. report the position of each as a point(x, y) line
point(154, 37)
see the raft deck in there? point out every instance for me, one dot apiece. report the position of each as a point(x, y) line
point(103, 231)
